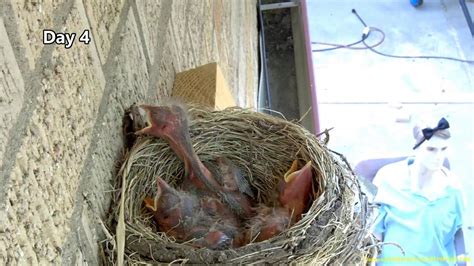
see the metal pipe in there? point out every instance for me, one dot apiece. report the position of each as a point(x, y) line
point(309, 63)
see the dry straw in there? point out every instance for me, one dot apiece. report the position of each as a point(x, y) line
point(334, 230)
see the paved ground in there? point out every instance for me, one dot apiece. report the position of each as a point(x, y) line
point(363, 95)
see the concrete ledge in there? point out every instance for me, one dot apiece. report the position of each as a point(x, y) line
point(103, 17)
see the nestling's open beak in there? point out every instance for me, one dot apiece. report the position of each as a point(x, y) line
point(152, 203)
point(292, 173)
point(142, 119)
point(292, 169)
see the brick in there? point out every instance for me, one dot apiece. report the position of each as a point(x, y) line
point(210, 43)
point(129, 84)
point(104, 17)
point(149, 15)
point(201, 32)
point(247, 76)
point(46, 173)
point(251, 55)
point(32, 18)
point(233, 35)
point(240, 57)
point(184, 54)
point(11, 89)
point(167, 68)
point(199, 28)
point(222, 15)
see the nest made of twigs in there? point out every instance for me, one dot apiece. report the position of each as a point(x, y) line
point(334, 230)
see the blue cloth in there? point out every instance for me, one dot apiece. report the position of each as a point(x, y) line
point(423, 226)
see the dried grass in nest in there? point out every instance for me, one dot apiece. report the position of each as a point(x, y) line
point(334, 230)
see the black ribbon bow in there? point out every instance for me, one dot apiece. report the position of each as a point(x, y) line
point(429, 132)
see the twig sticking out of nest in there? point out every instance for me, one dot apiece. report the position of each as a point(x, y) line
point(263, 147)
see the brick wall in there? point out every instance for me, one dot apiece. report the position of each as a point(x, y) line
point(61, 109)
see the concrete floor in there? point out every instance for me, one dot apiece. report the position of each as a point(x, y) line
point(363, 95)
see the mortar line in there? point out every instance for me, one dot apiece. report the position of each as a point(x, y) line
point(109, 69)
point(165, 16)
point(32, 87)
point(89, 23)
point(140, 26)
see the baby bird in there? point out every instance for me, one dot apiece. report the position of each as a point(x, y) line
point(267, 223)
point(238, 193)
point(216, 240)
point(205, 222)
point(173, 210)
point(232, 178)
point(295, 189)
point(170, 123)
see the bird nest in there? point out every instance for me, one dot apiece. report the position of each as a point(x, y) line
point(333, 230)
